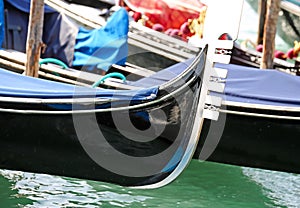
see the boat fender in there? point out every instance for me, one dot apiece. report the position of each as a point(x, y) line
point(110, 75)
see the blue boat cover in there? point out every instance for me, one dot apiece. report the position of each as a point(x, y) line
point(243, 84)
point(257, 86)
point(104, 46)
point(17, 85)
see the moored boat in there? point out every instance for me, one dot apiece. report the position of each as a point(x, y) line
point(65, 132)
point(258, 125)
point(259, 121)
point(257, 128)
point(141, 136)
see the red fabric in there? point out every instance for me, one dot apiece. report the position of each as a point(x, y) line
point(169, 13)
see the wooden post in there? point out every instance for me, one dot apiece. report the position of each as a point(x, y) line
point(34, 37)
point(262, 10)
point(269, 34)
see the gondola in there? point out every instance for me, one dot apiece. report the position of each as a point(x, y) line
point(259, 119)
point(121, 133)
point(261, 123)
point(259, 129)
point(59, 129)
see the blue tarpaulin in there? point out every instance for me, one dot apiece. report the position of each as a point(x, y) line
point(17, 85)
point(243, 84)
point(104, 46)
point(257, 86)
point(109, 45)
point(163, 75)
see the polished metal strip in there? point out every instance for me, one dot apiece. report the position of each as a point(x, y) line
point(261, 106)
point(259, 115)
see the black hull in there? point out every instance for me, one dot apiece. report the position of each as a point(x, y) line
point(51, 146)
point(265, 139)
point(50, 143)
point(94, 141)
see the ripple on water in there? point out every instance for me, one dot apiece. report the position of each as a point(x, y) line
point(53, 191)
point(282, 188)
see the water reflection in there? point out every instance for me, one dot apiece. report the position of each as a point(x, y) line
point(52, 191)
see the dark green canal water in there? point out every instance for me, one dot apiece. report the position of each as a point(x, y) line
point(203, 184)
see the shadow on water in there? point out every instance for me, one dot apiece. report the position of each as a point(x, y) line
point(203, 184)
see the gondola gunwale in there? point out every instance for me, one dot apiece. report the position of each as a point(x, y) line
point(260, 106)
point(261, 115)
point(260, 110)
point(181, 77)
point(133, 107)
